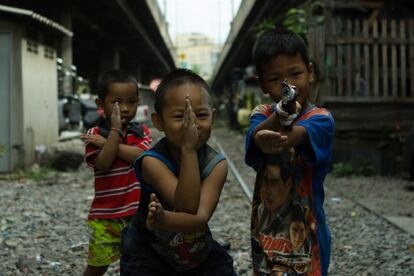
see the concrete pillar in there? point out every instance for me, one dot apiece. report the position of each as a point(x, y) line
point(67, 51)
point(110, 59)
point(138, 74)
point(67, 54)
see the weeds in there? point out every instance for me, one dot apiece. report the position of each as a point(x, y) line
point(364, 168)
point(36, 173)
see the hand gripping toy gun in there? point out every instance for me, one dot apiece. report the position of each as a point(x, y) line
point(289, 95)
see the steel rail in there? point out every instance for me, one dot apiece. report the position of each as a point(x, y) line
point(245, 187)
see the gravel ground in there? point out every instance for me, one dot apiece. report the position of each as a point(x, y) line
point(43, 227)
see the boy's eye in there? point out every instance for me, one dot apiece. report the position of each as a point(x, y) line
point(202, 115)
point(296, 73)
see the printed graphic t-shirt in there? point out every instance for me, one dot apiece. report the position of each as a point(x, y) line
point(281, 242)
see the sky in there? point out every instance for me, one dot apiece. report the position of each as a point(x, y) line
point(210, 17)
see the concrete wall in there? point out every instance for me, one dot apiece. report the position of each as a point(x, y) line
point(40, 104)
point(15, 126)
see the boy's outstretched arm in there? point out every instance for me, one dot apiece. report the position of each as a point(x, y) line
point(269, 136)
point(265, 135)
point(186, 222)
point(125, 152)
point(129, 153)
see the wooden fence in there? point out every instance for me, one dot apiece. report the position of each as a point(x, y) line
point(365, 59)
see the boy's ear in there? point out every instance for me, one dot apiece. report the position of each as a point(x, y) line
point(99, 103)
point(260, 82)
point(156, 121)
point(213, 115)
point(311, 70)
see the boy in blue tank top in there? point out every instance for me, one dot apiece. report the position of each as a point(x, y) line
point(181, 181)
point(282, 62)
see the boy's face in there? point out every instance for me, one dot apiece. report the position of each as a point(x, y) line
point(297, 234)
point(275, 192)
point(292, 68)
point(126, 95)
point(171, 121)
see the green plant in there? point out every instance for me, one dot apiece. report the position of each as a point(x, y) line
point(296, 21)
point(365, 168)
point(264, 25)
point(36, 174)
point(343, 169)
point(300, 20)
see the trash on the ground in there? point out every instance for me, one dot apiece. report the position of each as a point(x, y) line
point(336, 199)
point(54, 263)
point(78, 246)
point(12, 242)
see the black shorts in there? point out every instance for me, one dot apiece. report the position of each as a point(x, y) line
point(138, 258)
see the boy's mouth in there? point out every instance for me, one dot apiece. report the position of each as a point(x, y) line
point(125, 120)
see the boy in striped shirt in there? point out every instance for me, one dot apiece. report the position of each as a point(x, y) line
point(111, 148)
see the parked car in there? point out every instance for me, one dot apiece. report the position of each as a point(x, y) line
point(69, 113)
point(91, 114)
point(77, 113)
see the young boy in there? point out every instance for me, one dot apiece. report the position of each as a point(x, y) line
point(111, 147)
point(281, 55)
point(182, 178)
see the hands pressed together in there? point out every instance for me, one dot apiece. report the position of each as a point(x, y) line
point(190, 131)
point(116, 117)
point(99, 140)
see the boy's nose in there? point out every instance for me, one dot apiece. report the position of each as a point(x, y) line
point(123, 107)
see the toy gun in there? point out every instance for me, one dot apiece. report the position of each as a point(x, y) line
point(289, 95)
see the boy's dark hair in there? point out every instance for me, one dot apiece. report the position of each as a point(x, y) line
point(175, 78)
point(275, 42)
point(111, 76)
point(297, 213)
point(284, 160)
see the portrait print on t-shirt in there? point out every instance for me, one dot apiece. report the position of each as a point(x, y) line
point(283, 225)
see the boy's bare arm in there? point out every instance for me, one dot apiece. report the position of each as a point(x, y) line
point(125, 152)
point(187, 192)
point(129, 153)
point(210, 195)
point(269, 137)
point(154, 171)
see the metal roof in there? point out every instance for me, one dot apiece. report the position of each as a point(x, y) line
point(36, 17)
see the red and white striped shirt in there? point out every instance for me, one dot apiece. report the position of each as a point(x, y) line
point(117, 191)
